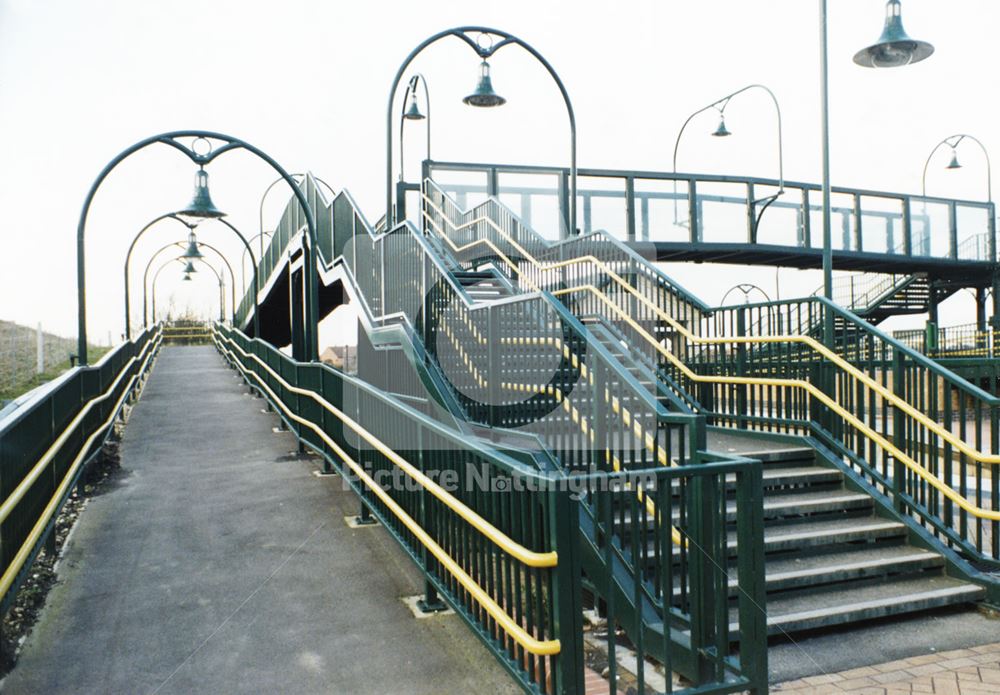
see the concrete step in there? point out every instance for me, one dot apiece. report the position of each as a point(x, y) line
point(813, 505)
point(815, 534)
point(838, 606)
point(785, 574)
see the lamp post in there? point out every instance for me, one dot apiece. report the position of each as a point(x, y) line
point(201, 152)
point(191, 227)
point(893, 49)
point(180, 244)
point(187, 276)
point(721, 131)
point(953, 141)
point(411, 112)
point(243, 255)
point(482, 96)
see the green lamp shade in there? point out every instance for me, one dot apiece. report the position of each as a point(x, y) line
point(893, 48)
point(201, 206)
point(413, 110)
point(484, 96)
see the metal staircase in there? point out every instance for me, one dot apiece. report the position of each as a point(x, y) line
point(520, 372)
point(606, 365)
point(834, 553)
point(877, 296)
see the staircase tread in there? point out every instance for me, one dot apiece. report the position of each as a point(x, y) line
point(813, 497)
point(850, 559)
point(843, 600)
point(826, 528)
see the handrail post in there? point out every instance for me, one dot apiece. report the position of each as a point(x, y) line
point(702, 504)
point(567, 605)
point(742, 399)
point(630, 208)
point(750, 559)
point(898, 433)
point(693, 226)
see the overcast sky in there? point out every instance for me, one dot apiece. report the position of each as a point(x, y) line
point(307, 81)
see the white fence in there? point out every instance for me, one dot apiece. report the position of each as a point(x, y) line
point(26, 352)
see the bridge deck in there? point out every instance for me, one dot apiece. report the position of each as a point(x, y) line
point(219, 563)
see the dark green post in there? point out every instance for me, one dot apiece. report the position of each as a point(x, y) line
point(567, 605)
point(702, 521)
point(752, 592)
point(741, 368)
point(898, 433)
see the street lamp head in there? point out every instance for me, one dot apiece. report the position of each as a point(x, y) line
point(484, 96)
point(201, 206)
point(721, 131)
point(954, 163)
point(893, 48)
point(192, 249)
point(189, 268)
point(413, 110)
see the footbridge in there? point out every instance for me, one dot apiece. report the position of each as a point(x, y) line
point(546, 430)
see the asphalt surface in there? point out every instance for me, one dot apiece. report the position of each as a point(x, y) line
point(218, 563)
point(877, 641)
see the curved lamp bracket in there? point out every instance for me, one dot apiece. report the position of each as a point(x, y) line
point(201, 151)
point(953, 142)
point(465, 34)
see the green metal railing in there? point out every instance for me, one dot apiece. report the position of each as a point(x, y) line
point(505, 543)
point(523, 363)
point(917, 433)
point(710, 209)
point(963, 340)
point(47, 441)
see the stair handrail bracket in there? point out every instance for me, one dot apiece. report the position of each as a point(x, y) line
point(48, 440)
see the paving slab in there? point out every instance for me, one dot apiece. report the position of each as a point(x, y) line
point(218, 563)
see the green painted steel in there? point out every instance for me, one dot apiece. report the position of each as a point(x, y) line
point(593, 522)
point(701, 211)
point(932, 390)
point(580, 384)
point(64, 421)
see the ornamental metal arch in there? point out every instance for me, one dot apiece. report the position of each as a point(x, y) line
point(180, 244)
point(953, 142)
point(484, 52)
point(172, 215)
point(202, 159)
point(181, 260)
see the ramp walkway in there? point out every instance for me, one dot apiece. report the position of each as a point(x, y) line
point(219, 563)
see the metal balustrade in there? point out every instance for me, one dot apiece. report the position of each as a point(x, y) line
point(48, 440)
point(885, 409)
point(506, 542)
point(644, 206)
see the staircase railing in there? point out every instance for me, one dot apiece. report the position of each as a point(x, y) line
point(861, 292)
point(501, 541)
point(792, 382)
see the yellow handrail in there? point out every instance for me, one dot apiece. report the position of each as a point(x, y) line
point(18, 493)
point(935, 482)
point(806, 340)
point(498, 537)
point(17, 562)
point(509, 625)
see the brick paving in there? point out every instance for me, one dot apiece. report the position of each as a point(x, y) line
point(974, 671)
